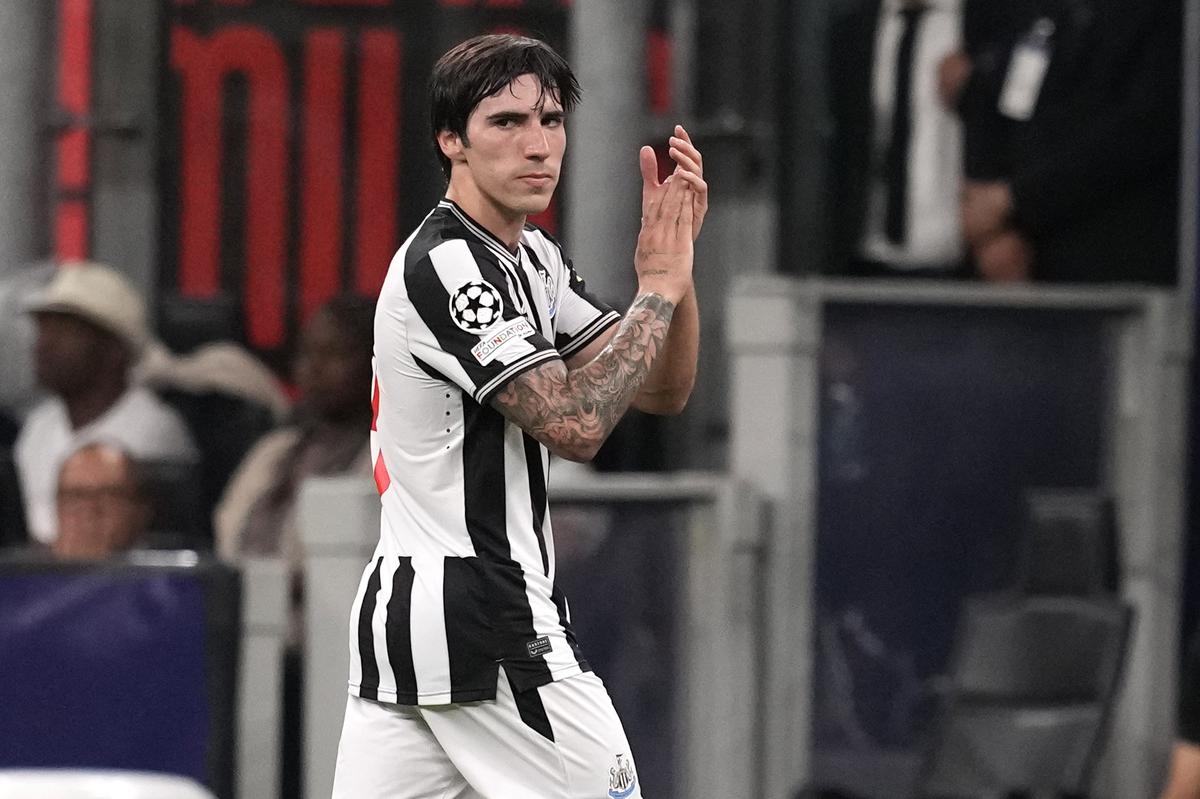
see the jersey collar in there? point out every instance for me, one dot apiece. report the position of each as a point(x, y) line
point(480, 232)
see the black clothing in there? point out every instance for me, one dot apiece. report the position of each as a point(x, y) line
point(1189, 694)
point(1095, 170)
point(851, 55)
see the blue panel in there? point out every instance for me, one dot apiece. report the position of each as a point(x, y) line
point(102, 669)
point(932, 423)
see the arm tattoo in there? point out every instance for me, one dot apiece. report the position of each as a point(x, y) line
point(574, 411)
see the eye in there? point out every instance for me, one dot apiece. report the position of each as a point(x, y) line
point(506, 122)
point(552, 122)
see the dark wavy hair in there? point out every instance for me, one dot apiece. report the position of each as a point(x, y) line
point(482, 66)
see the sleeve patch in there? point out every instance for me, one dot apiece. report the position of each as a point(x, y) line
point(475, 306)
point(487, 349)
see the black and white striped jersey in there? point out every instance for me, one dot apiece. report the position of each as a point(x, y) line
point(463, 576)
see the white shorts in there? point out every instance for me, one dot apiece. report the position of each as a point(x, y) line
point(560, 741)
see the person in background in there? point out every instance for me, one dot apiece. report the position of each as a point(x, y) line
point(896, 143)
point(328, 435)
point(1073, 142)
point(18, 390)
point(91, 329)
point(102, 509)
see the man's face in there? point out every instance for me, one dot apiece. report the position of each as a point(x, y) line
point(67, 352)
point(331, 369)
point(99, 509)
point(514, 147)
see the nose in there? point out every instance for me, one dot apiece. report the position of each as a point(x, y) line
point(537, 145)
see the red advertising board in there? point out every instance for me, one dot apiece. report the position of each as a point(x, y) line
point(296, 149)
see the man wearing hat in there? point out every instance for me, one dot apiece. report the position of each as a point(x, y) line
point(91, 328)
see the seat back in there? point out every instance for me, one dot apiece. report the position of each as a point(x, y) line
point(1069, 543)
point(178, 517)
point(224, 428)
point(1032, 684)
point(184, 323)
point(990, 750)
point(1039, 649)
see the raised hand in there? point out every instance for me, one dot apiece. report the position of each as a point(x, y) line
point(663, 260)
point(689, 166)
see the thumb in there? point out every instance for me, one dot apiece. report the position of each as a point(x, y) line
point(648, 164)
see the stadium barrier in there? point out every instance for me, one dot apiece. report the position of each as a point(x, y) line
point(785, 335)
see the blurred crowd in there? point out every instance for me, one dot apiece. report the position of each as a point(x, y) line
point(1015, 141)
point(125, 444)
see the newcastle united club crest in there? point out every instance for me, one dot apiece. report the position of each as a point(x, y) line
point(621, 780)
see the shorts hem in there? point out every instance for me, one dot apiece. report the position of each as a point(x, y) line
point(459, 696)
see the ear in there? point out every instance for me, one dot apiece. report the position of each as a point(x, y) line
point(451, 145)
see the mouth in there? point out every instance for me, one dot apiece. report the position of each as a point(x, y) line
point(537, 179)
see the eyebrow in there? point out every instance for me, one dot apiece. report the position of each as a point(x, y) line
point(501, 116)
point(521, 116)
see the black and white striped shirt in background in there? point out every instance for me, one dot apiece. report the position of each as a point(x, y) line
point(463, 576)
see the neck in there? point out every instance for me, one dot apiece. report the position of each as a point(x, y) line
point(500, 222)
point(88, 406)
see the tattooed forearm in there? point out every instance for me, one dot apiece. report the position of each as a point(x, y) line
point(573, 412)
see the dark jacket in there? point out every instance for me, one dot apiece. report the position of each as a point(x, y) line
point(1095, 171)
point(851, 55)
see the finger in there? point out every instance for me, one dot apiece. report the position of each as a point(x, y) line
point(683, 134)
point(648, 164)
point(696, 182)
point(685, 160)
point(687, 148)
point(684, 227)
point(672, 203)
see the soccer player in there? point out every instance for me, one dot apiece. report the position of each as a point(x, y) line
point(465, 676)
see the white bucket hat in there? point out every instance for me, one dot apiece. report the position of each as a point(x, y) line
point(99, 294)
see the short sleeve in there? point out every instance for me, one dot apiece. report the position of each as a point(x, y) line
point(582, 317)
point(464, 322)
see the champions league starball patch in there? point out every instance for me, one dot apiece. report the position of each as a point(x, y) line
point(475, 306)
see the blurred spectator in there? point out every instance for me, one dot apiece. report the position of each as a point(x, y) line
point(102, 509)
point(221, 367)
point(228, 398)
point(329, 435)
point(1073, 142)
point(17, 389)
point(896, 143)
point(91, 327)
point(989, 30)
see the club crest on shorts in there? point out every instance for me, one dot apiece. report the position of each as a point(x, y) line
point(621, 780)
point(475, 306)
